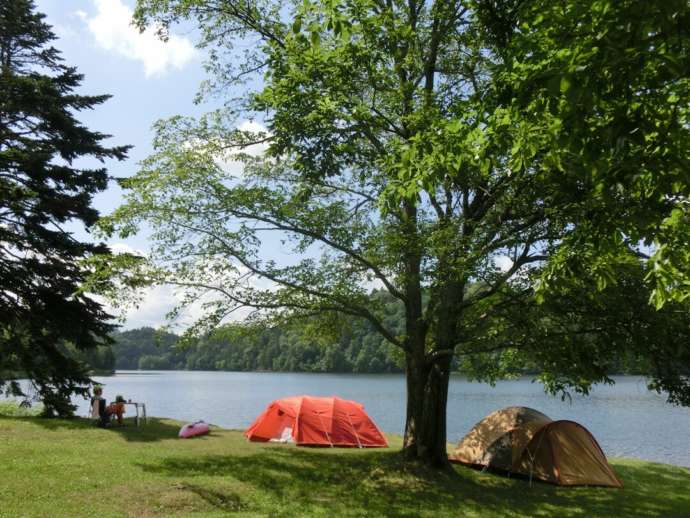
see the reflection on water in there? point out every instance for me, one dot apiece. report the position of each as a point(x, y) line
point(627, 419)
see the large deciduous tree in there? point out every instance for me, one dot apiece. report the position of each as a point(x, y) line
point(42, 192)
point(404, 148)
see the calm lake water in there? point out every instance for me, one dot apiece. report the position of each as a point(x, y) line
point(627, 419)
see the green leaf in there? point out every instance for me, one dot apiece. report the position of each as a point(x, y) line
point(315, 39)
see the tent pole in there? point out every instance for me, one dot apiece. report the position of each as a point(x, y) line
point(359, 444)
point(324, 429)
point(532, 458)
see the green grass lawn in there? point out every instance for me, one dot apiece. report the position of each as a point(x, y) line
point(70, 468)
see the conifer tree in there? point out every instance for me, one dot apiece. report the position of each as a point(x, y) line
point(43, 193)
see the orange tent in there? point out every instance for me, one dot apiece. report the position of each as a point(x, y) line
point(316, 421)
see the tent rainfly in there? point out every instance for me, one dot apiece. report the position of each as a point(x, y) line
point(524, 441)
point(316, 421)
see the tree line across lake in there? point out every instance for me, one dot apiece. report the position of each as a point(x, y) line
point(357, 350)
point(353, 346)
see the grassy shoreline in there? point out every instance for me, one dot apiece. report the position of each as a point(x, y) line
point(70, 468)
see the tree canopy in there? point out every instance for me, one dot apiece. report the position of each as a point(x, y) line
point(43, 311)
point(598, 92)
point(443, 151)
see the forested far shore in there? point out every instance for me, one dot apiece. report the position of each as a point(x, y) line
point(348, 346)
point(356, 347)
point(358, 350)
point(344, 345)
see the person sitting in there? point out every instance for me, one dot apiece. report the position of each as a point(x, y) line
point(117, 409)
point(104, 413)
point(98, 408)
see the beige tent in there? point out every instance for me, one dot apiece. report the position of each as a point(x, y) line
point(524, 441)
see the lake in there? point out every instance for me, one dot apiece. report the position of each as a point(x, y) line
point(627, 419)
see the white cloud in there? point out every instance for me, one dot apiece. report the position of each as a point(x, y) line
point(235, 167)
point(151, 311)
point(226, 158)
point(254, 127)
point(113, 31)
point(155, 302)
point(158, 301)
point(123, 248)
point(503, 262)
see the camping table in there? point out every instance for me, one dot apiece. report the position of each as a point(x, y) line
point(137, 406)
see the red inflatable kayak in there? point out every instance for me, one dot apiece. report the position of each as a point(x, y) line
point(193, 429)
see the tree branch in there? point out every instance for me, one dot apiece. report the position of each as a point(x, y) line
point(347, 305)
point(336, 246)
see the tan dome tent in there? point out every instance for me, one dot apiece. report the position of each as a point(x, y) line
point(524, 441)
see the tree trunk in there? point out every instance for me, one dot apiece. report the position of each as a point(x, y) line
point(427, 382)
point(428, 374)
point(427, 397)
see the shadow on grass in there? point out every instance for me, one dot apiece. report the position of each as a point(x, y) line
point(222, 500)
point(380, 484)
point(51, 424)
point(155, 430)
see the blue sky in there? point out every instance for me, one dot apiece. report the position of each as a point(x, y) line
point(148, 80)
